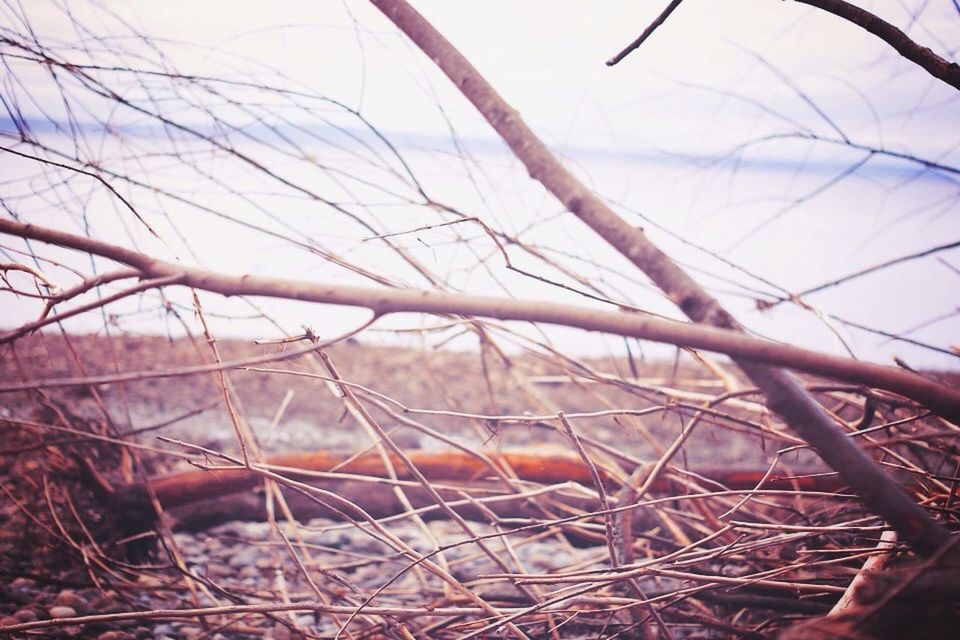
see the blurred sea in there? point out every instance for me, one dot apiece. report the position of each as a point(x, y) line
point(795, 224)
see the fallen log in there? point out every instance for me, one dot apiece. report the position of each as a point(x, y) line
point(183, 488)
point(203, 498)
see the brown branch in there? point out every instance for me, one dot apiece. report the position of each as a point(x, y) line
point(653, 26)
point(90, 174)
point(30, 327)
point(784, 394)
point(942, 399)
point(86, 285)
point(38, 275)
point(877, 267)
point(930, 62)
point(938, 67)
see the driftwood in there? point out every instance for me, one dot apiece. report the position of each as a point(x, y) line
point(204, 498)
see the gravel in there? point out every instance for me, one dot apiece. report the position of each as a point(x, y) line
point(249, 562)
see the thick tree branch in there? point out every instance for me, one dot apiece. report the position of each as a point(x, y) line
point(930, 62)
point(784, 394)
point(944, 400)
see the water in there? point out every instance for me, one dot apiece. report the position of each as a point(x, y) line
point(751, 213)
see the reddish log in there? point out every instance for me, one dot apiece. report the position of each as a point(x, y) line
point(185, 488)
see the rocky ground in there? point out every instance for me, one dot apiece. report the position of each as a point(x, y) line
point(290, 411)
point(314, 417)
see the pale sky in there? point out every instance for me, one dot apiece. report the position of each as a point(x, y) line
point(546, 57)
point(647, 134)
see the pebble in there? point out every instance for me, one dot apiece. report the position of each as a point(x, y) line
point(249, 571)
point(21, 594)
point(306, 621)
point(281, 632)
point(245, 558)
point(147, 580)
point(26, 615)
point(9, 621)
point(231, 556)
point(217, 570)
point(70, 598)
point(60, 611)
point(104, 603)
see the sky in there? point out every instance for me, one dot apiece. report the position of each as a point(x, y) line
point(705, 131)
point(546, 57)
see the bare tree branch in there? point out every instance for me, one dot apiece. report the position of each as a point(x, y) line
point(938, 397)
point(784, 394)
point(926, 59)
point(248, 169)
point(653, 26)
point(883, 265)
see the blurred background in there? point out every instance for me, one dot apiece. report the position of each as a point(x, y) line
point(769, 147)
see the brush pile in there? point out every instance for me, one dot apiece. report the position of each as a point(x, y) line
point(678, 509)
